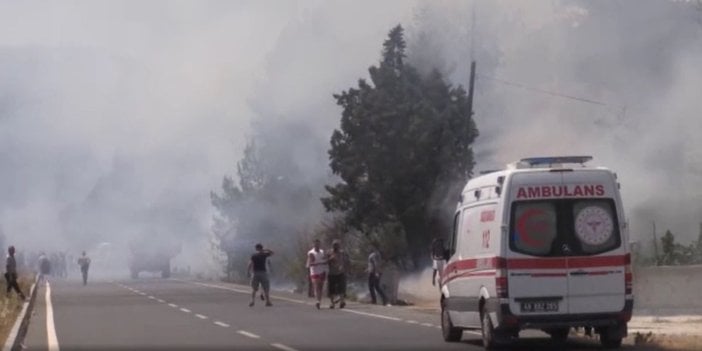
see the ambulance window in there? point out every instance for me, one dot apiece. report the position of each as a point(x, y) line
point(534, 227)
point(454, 234)
point(595, 226)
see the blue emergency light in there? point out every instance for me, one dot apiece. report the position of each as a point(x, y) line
point(534, 161)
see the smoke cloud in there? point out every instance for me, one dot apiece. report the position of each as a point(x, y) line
point(117, 119)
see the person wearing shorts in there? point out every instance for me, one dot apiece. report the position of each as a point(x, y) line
point(317, 264)
point(438, 257)
point(258, 270)
point(339, 263)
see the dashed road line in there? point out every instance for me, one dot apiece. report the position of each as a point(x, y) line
point(201, 316)
point(151, 297)
point(427, 325)
point(248, 334)
point(412, 322)
point(161, 301)
point(283, 347)
point(373, 315)
point(173, 305)
point(185, 310)
point(247, 292)
point(222, 324)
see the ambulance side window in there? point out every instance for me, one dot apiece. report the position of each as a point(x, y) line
point(454, 234)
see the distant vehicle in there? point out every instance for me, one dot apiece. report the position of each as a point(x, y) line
point(540, 245)
point(152, 255)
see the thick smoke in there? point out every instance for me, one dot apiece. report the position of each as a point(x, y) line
point(117, 119)
point(632, 67)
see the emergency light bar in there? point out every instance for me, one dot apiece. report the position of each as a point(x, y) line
point(536, 161)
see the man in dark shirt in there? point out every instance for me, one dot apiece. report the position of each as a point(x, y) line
point(339, 264)
point(11, 273)
point(258, 271)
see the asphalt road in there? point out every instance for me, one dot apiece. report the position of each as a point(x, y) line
point(177, 315)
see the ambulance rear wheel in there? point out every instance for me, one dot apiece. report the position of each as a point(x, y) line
point(487, 331)
point(560, 335)
point(610, 342)
point(611, 337)
point(448, 331)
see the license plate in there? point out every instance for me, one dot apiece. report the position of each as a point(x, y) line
point(539, 306)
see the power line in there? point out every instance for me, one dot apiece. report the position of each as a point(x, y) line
point(552, 93)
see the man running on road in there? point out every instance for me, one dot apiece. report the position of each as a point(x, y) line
point(11, 273)
point(317, 263)
point(84, 263)
point(259, 274)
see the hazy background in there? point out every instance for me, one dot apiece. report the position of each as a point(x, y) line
point(118, 118)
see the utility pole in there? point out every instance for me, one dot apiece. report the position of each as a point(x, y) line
point(471, 87)
point(655, 244)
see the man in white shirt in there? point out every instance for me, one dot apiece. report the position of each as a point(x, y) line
point(317, 264)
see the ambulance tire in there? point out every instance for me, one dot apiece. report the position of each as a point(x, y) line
point(487, 331)
point(613, 342)
point(611, 338)
point(448, 331)
point(559, 335)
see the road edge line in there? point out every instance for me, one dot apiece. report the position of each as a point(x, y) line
point(19, 329)
point(52, 339)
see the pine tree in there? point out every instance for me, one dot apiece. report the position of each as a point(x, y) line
point(402, 149)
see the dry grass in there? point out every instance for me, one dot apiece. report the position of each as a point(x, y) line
point(11, 306)
point(669, 342)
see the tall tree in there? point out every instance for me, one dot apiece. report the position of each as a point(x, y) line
point(402, 149)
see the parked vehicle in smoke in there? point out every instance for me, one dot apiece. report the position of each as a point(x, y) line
point(540, 245)
point(152, 255)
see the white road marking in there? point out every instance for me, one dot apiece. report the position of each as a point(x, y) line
point(161, 301)
point(173, 305)
point(412, 322)
point(185, 310)
point(222, 324)
point(373, 315)
point(151, 297)
point(250, 335)
point(242, 291)
point(427, 325)
point(283, 347)
point(201, 316)
point(53, 344)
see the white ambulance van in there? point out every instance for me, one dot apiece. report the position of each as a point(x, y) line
point(540, 245)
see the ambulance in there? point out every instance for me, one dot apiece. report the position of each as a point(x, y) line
point(540, 245)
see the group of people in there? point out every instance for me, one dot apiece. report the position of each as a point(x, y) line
point(331, 267)
point(44, 265)
point(328, 267)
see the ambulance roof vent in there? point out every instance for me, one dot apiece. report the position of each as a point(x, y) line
point(549, 162)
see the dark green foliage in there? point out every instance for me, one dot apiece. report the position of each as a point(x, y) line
point(403, 151)
point(675, 254)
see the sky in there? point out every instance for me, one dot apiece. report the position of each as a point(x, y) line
point(117, 118)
